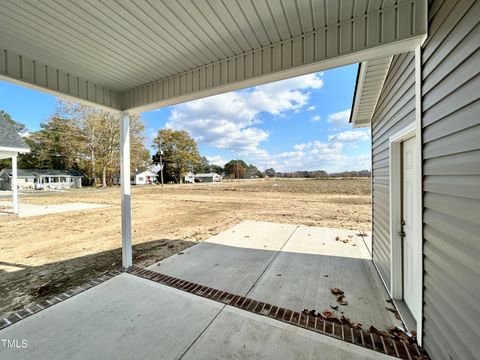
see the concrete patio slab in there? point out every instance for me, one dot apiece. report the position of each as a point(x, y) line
point(237, 334)
point(232, 260)
point(130, 317)
point(312, 263)
point(29, 210)
point(290, 266)
point(126, 317)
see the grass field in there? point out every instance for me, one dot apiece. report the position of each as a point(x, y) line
point(45, 255)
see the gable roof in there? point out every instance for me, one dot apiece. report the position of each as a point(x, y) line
point(9, 139)
point(206, 175)
point(146, 171)
point(31, 173)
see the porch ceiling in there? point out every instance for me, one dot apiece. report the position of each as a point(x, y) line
point(144, 54)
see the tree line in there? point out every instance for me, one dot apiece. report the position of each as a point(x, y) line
point(86, 140)
point(320, 174)
point(178, 153)
point(83, 140)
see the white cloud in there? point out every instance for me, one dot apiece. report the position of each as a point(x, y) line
point(290, 154)
point(229, 121)
point(329, 155)
point(302, 146)
point(316, 118)
point(340, 118)
point(216, 160)
point(26, 134)
point(311, 108)
point(349, 136)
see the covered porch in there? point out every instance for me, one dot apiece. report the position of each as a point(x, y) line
point(251, 292)
point(129, 57)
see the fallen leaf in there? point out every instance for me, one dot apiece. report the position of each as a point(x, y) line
point(329, 315)
point(337, 291)
point(341, 300)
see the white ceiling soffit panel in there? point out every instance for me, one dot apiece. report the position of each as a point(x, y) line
point(370, 80)
point(143, 54)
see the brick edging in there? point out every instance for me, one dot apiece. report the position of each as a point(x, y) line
point(13, 317)
point(376, 342)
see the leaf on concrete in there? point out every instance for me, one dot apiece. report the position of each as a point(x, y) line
point(337, 291)
point(341, 300)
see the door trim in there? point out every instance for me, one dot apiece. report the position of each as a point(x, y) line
point(396, 272)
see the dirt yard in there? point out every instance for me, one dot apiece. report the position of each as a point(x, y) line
point(45, 255)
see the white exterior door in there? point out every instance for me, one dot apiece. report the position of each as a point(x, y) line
point(411, 246)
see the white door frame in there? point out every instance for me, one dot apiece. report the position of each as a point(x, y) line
point(396, 261)
point(395, 147)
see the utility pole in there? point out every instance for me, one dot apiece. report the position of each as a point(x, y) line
point(161, 162)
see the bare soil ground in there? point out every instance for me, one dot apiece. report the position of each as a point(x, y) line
point(46, 255)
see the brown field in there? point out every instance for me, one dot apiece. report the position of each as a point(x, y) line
point(45, 255)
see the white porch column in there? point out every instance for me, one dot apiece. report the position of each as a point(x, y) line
point(14, 184)
point(125, 189)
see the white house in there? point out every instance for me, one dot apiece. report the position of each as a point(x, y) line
point(210, 177)
point(190, 178)
point(34, 179)
point(146, 177)
point(11, 144)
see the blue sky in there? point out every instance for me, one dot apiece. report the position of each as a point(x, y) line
point(295, 124)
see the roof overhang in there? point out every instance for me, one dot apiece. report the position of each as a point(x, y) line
point(370, 79)
point(7, 152)
point(141, 55)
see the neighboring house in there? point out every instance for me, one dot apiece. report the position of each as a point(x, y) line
point(146, 177)
point(11, 144)
point(34, 179)
point(189, 178)
point(210, 177)
point(423, 109)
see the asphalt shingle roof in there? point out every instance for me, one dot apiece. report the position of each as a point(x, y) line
point(9, 137)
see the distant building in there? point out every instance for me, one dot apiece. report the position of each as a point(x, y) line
point(146, 177)
point(210, 177)
point(35, 179)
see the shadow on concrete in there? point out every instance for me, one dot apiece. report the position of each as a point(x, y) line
point(35, 283)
